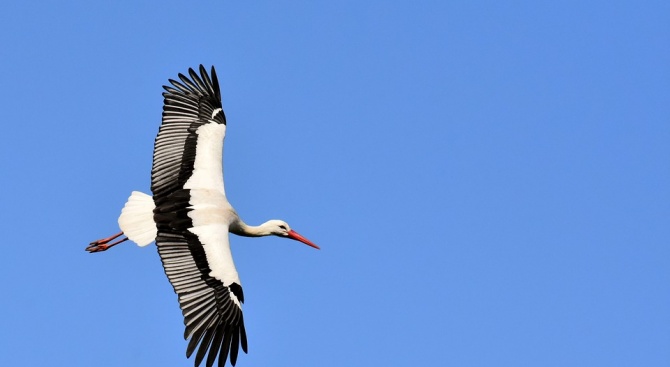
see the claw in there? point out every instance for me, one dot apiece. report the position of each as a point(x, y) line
point(103, 244)
point(96, 247)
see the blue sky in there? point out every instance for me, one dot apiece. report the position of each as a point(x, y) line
point(489, 181)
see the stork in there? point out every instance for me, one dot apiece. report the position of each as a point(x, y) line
point(189, 218)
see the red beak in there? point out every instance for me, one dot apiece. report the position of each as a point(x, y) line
point(296, 236)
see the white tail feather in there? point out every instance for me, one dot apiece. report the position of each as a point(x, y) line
point(137, 219)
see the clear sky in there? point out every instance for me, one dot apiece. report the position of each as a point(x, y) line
point(489, 181)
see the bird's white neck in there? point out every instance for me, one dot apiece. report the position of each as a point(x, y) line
point(242, 229)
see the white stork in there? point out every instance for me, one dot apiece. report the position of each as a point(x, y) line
point(189, 218)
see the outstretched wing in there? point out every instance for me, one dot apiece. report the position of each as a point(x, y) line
point(193, 244)
point(187, 106)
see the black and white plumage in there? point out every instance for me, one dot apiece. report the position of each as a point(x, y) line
point(189, 218)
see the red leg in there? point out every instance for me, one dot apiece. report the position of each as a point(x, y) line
point(103, 244)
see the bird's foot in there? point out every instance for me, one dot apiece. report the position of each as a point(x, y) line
point(104, 243)
point(97, 247)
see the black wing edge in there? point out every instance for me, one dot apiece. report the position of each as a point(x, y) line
point(220, 340)
point(202, 87)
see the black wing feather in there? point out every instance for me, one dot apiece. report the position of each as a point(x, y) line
point(225, 347)
point(204, 346)
point(216, 345)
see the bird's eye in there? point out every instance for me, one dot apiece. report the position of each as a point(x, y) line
point(282, 226)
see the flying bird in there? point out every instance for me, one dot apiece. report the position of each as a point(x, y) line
point(189, 218)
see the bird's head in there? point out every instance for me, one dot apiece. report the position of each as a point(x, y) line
point(282, 229)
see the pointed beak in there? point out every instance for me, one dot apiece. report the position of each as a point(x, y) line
point(296, 236)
